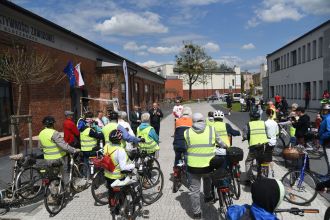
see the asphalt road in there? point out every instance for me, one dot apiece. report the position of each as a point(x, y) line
point(240, 119)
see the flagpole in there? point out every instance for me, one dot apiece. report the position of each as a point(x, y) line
point(126, 89)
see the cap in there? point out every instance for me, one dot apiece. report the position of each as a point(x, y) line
point(67, 113)
point(197, 117)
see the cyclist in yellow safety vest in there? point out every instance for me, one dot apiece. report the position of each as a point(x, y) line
point(146, 131)
point(89, 138)
point(118, 157)
point(224, 129)
point(272, 107)
point(113, 125)
point(210, 119)
point(255, 133)
point(201, 141)
point(53, 145)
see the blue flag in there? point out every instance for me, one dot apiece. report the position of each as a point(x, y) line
point(68, 70)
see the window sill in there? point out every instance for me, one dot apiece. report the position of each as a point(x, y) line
point(6, 138)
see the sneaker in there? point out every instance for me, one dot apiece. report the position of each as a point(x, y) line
point(198, 216)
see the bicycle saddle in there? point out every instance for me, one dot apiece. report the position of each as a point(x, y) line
point(16, 157)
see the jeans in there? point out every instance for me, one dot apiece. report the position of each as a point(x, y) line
point(86, 155)
point(194, 188)
point(178, 157)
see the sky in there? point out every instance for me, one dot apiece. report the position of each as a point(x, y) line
point(151, 32)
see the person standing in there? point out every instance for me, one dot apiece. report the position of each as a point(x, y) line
point(307, 98)
point(277, 100)
point(155, 116)
point(229, 101)
point(135, 118)
point(272, 132)
point(177, 109)
point(122, 120)
point(71, 133)
point(201, 143)
point(151, 144)
point(301, 126)
point(101, 120)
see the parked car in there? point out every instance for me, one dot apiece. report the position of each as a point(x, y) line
point(224, 96)
point(236, 97)
point(212, 98)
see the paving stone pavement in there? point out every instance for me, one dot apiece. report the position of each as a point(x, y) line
point(169, 206)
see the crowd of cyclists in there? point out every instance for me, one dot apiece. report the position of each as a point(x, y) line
point(201, 142)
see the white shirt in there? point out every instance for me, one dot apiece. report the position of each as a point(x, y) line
point(120, 157)
point(177, 111)
point(272, 131)
point(241, 100)
point(125, 124)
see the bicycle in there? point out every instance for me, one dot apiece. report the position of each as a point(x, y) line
point(179, 174)
point(263, 163)
point(26, 182)
point(221, 179)
point(298, 211)
point(312, 145)
point(56, 192)
point(299, 183)
point(127, 197)
point(233, 156)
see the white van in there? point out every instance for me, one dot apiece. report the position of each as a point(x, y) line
point(236, 97)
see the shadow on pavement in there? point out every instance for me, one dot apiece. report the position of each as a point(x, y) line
point(208, 211)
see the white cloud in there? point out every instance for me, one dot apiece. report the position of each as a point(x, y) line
point(149, 63)
point(278, 10)
point(130, 24)
point(211, 47)
point(249, 46)
point(252, 64)
point(201, 2)
point(132, 46)
point(163, 50)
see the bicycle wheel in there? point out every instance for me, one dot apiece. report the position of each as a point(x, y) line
point(99, 189)
point(29, 183)
point(300, 188)
point(54, 196)
point(235, 186)
point(80, 177)
point(222, 204)
point(152, 182)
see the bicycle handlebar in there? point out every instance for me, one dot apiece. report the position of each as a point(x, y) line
point(297, 211)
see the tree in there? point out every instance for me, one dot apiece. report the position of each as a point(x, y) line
point(191, 63)
point(23, 66)
point(242, 84)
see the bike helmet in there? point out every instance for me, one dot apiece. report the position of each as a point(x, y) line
point(326, 107)
point(48, 121)
point(115, 136)
point(218, 114)
point(113, 115)
point(254, 115)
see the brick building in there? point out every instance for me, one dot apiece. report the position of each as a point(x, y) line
point(173, 87)
point(102, 72)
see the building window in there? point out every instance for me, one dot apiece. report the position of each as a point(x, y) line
point(284, 61)
point(272, 91)
point(281, 62)
point(146, 88)
point(5, 107)
point(299, 55)
point(287, 60)
point(137, 94)
point(308, 52)
point(295, 91)
point(304, 54)
point(321, 47)
point(233, 82)
point(299, 91)
point(314, 49)
point(277, 64)
point(293, 58)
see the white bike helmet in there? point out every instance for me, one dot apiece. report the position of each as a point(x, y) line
point(218, 114)
point(326, 107)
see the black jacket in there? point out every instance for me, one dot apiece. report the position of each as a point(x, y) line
point(302, 126)
point(154, 118)
point(179, 143)
point(134, 118)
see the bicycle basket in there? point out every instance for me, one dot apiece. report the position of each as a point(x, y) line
point(234, 154)
point(220, 178)
point(291, 153)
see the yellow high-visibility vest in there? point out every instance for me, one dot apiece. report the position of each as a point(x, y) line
point(258, 133)
point(110, 149)
point(150, 146)
point(106, 130)
point(50, 149)
point(87, 143)
point(220, 127)
point(201, 147)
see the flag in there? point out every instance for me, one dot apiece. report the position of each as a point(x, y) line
point(126, 90)
point(77, 73)
point(68, 70)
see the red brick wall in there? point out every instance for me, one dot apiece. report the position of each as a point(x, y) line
point(203, 93)
point(173, 88)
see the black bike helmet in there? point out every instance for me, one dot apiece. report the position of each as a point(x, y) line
point(115, 136)
point(254, 116)
point(48, 121)
point(113, 115)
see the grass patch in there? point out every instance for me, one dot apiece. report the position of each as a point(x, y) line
point(236, 106)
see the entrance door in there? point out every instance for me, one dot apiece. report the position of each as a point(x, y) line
point(5, 107)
